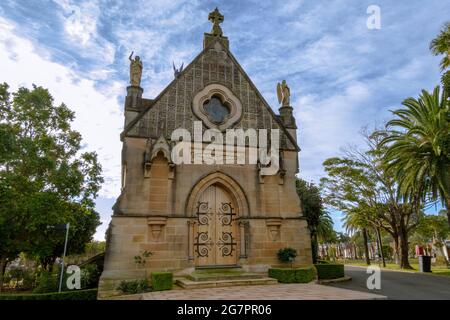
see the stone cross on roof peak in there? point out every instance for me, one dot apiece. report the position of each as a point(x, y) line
point(216, 18)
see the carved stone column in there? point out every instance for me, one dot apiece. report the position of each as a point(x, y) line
point(243, 225)
point(191, 225)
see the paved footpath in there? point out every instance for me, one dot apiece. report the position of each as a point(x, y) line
point(294, 291)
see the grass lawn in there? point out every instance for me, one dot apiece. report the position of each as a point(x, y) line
point(437, 270)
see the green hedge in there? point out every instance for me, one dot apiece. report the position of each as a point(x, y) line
point(293, 275)
point(162, 281)
point(90, 294)
point(329, 270)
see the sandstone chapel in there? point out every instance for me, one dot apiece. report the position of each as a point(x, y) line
point(200, 215)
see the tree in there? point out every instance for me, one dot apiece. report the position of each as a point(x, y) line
point(418, 152)
point(355, 220)
point(48, 244)
point(320, 224)
point(441, 45)
point(433, 228)
point(358, 183)
point(325, 230)
point(45, 179)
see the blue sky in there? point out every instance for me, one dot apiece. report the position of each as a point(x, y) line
point(342, 75)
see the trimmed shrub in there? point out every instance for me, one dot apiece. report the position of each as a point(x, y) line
point(329, 270)
point(293, 275)
point(305, 275)
point(283, 275)
point(162, 281)
point(90, 294)
point(287, 254)
point(134, 286)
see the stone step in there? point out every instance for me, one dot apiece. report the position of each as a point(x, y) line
point(196, 276)
point(189, 284)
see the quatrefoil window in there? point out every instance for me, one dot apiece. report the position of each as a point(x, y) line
point(216, 110)
point(217, 106)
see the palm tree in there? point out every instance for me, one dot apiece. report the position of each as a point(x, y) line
point(418, 152)
point(441, 45)
point(324, 229)
point(355, 221)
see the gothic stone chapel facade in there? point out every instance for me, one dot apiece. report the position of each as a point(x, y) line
point(203, 215)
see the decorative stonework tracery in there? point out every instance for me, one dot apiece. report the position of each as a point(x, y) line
point(161, 146)
point(217, 106)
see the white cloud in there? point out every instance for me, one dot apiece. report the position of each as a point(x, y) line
point(327, 123)
point(289, 7)
point(98, 115)
point(80, 23)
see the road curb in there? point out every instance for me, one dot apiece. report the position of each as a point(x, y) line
point(326, 281)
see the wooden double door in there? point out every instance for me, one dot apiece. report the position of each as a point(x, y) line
point(215, 241)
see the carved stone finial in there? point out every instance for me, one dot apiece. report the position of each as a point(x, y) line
point(216, 18)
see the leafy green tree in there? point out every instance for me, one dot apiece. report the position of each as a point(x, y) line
point(320, 224)
point(45, 178)
point(418, 153)
point(433, 228)
point(359, 185)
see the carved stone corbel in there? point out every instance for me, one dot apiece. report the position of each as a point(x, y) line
point(156, 225)
point(273, 225)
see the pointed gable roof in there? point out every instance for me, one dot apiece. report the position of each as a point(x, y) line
point(171, 109)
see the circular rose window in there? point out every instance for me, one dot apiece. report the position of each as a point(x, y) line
point(217, 106)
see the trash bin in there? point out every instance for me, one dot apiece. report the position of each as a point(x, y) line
point(425, 263)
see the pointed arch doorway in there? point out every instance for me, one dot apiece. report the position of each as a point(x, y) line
point(215, 241)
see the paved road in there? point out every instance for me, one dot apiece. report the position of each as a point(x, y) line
point(399, 285)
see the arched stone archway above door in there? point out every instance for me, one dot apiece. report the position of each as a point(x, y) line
point(227, 183)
